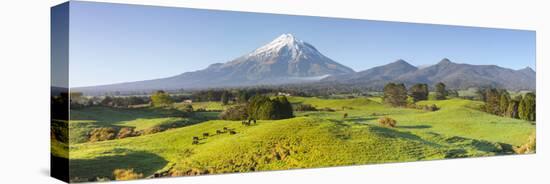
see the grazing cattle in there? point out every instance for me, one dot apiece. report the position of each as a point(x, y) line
point(254, 121)
point(225, 128)
point(246, 123)
point(196, 138)
point(206, 134)
point(219, 132)
point(195, 141)
point(232, 132)
point(345, 115)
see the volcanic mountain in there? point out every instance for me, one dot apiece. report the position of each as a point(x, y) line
point(284, 60)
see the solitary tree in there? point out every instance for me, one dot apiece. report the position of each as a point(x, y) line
point(440, 92)
point(513, 106)
point(419, 92)
point(492, 103)
point(395, 94)
point(225, 98)
point(504, 102)
point(161, 98)
point(283, 108)
point(527, 107)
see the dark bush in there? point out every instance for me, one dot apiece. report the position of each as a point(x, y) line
point(153, 130)
point(432, 107)
point(187, 108)
point(262, 107)
point(327, 109)
point(238, 112)
point(529, 147)
point(102, 134)
point(126, 132)
point(304, 107)
point(387, 122)
point(126, 174)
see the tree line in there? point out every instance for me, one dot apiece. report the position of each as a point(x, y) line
point(260, 107)
point(499, 102)
point(396, 94)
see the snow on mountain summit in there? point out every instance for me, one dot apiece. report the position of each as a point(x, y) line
point(286, 44)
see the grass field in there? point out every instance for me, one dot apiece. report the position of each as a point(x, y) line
point(83, 120)
point(311, 139)
point(209, 106)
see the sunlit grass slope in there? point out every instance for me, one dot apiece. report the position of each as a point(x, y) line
point(83, 120)
point(312, 139)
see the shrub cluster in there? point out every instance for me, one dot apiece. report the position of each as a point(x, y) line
point(152, 130)
point(432, 107)
point(126, 132)
point(161, 99)
point(102, 134)
point(387, 122)
point(238, 112)
point(126, 174)
point(529, 147)
point(304, 107)
point(189, 108)
point(327, 109)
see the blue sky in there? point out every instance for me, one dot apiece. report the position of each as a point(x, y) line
point(111, 43)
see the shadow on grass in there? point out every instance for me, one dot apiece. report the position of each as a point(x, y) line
point(415, 127)
point(103, 166)
point(360, 119)
point(110, 115)
point(391, 133)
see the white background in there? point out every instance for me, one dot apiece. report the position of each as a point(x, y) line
point(24, 89)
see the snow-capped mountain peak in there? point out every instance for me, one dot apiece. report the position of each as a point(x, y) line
point(286, 44)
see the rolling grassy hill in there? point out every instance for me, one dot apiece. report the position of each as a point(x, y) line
point(312, 139)
point(84, 120)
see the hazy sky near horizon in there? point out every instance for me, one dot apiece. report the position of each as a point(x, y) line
point(113, 43)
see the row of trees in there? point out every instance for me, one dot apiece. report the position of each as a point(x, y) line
point(499, 102)
point(263, 107)
point(225, 96)
point(397, 94)
point(260, 107)
point(77, 100)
